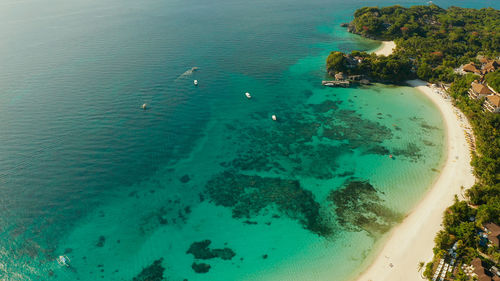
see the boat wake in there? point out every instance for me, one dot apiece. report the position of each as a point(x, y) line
point(188, 72)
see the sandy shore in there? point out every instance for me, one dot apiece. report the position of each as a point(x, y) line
point(412, 241)
point(386, 48)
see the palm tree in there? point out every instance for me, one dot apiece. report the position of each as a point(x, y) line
point(420, 267)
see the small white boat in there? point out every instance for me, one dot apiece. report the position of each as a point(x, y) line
point(274, 117)
point(195, 82)
point(247, 94)
point(63, 260)
point(144, 106)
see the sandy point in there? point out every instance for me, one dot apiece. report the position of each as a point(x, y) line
point(412, 241)
point(386, 48)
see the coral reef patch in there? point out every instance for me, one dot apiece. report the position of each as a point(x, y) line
point(100, 242)
point(200, 250)
point(200, 267)
point(359, 206)
point(247, 195)
point(154, 272)
point(411, 151)
point(346, 125)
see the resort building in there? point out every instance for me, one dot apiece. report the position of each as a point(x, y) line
point(493, 231)
point(340, 76)
point(490, 66)
point(492, 103)
point(478, 90)
point(482, 273)
point(351, 62)
point(471, 67)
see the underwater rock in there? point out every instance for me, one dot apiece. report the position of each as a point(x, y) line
point(265, 256)
point(376, 149)
point(154, 272)
point(247, 195)
point(225, 254)
point(201, 251)
point(200, 267)
point(359, 207)
point(308, 93)
point(428, 143)
point(185, 179)
point(101, 241)
point(427, 126)
point(350, 126)
point(325, 106)
point(346, 174)
point(411, 151)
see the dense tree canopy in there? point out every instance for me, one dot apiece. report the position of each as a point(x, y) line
point(392, 68)
point(493, 80)
point(437, 40)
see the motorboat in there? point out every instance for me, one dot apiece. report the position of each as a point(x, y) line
point(63, 260)
point(195, 82)
point(247, 94)
point(274, 117)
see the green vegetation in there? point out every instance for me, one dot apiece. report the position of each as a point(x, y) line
point(393, 68)
point(483, 199)
point(435, 40)
point(493, 79)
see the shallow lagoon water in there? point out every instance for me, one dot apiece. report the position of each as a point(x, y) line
point(87, 173)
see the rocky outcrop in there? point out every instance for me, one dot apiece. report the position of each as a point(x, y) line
point(200, 250)
point(200, 267)
point(247, 195)
point(154, 272)
point(358, 206)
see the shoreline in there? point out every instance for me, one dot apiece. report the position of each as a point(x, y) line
point(385, 49)
point(412, 241)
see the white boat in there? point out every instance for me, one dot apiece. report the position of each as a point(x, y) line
point(274, 117)
point(63, 260)
point(195, 82)
point(144, 106)
point(247, 94)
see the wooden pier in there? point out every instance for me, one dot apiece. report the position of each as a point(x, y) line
point(336, 83)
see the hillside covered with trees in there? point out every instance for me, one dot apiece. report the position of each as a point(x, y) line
point(433, 39)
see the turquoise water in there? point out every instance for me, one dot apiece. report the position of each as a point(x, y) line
point(86, 173)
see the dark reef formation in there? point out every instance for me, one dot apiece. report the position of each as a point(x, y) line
point(359, 207)
point(308, 144)
point(411, 151)
point(200, 267)
point(346, 125)
point(173, 213)
point(154, 272)
point(248, 195)
point(100, 242)
point(288, 148)
point(185, 179)
point(200, 250)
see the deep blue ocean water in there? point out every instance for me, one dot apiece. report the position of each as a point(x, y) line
point(86, 173)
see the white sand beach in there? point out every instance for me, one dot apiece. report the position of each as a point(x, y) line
point(412, 241)
point(386, 48)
